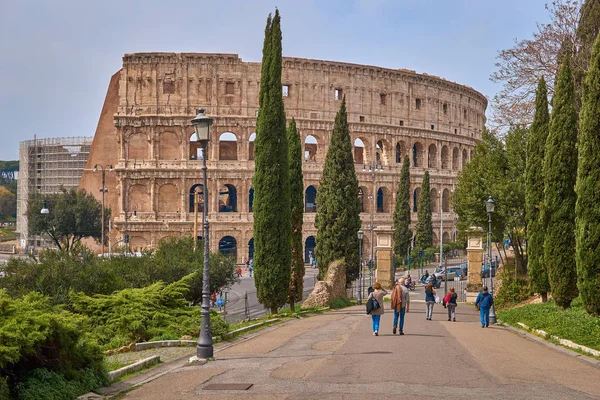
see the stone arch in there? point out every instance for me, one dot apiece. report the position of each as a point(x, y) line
point(168, 198)
point(455, 159)
point(359, 151)
point(251, 249)
point(137, 243)
point(382, 149)
point(311, 146)
point(250, 199)
point(432, 156)
point(251, 140)
point(434, 200)
point(139, 198)
point(228, 246)
point(228, 146)
point(361, 199)
point(446, 200)
point(168, 146)
point(434, 239)
point(464, 158)
point(416, 195)
point(446, 237)
point(445, 157)
point(228, 198)
point(137, 144)
point(309, 248)
point(196, 151)
point(418, 155)
point(310, 199)
point(400, 151)
point(384, 200)
point(199, 187)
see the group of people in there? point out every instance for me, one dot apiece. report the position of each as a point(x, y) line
point(250, 265)
point(400, 304)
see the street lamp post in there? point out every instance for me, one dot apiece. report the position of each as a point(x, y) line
point(204, 347)
point(490, 206)
point(103, 190)
point(360, 271)
point(44, 210)
point(373, 168)
point(442, 246)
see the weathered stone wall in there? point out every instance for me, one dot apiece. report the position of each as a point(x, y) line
point(393, 113)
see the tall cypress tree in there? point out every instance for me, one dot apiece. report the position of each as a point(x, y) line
point(560, 170)
point(587, 210)
point(534, 193)
point(424, 232)
point(402, 232)
point(271, 182)
point(297, 211)
point(338, 207)
point(587, 30)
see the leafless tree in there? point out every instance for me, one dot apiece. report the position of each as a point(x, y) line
point(520, 68)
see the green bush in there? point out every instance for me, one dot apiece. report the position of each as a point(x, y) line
point(340, 302)
point(512, 292)
point(41, 384)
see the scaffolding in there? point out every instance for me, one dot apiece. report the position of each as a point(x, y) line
point(46, 166)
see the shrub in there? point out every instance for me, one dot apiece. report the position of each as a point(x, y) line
point(512, 292)
point(41, 384)
point(340, 302)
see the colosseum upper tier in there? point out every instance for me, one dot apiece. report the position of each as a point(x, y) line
point(144, 132)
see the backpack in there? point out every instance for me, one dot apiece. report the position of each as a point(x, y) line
point(372, 304)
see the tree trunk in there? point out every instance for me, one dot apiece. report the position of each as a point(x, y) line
point(544, 297)
point(274, 310)
point(292, 305)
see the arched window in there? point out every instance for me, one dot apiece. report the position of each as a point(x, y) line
point(400, 151)
point(464, 158)
point(227, 146)
point(434, 200)
point(361, 199)
point(418, 155)
point(195, 149)
point(380, 201)
point(199, 188)
point(432, 156)
point(446, 200)
point(251, 249)
point(251, 140)
point(379, 152)
point(309, 249)
point(446, 237)
point(310, 149)
point(228, 246)
point(445, 158)
point(250, 199)
point(455, 160)
point(359, 151)
point(416, 194)
point(228, 199)
point(310, 199)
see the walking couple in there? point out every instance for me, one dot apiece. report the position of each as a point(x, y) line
point(400, 305)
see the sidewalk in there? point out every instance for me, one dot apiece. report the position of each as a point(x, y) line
point(335, 356)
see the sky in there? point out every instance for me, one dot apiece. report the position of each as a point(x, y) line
point(57, 56)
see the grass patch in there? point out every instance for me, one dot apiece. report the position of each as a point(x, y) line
point(131, 374)
point(573, 324)
point(340, 302)
point(113, 365)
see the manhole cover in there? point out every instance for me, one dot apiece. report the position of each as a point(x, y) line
point(228, 386)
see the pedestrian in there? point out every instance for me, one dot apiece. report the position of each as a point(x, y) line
point(251, 266)
point(484, 302)
point(239, 272)
point(377, 294)
point(429, 300)
point(450, 304)
point(400, 304)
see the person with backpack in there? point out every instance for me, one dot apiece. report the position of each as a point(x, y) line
point(375, 305)
point(483, 303)
point(450, 304)
point(429, 301)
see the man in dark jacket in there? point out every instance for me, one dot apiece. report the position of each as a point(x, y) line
point(484, 302)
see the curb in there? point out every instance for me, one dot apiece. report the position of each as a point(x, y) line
point(116, 374)
point(520, 331)
point(164, 343)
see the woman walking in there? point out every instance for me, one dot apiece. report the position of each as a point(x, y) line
point(378, 294)
point(450, 304)
point(429, 300)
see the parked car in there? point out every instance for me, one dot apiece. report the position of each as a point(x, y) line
point(452, 272)
point(485, 269)
point(465, 269)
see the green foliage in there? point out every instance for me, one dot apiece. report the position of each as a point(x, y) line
point(271, 181)
point(297, 212)
point(340, 302)
point(41, 384)
point(424, 229)
point(587, 208)
point(402, 232)
point(35, 334)
point(8, 204)
point(560, 166)
point(74, 215)
point(512, 292)
point(338, 213)
point(534, 192)
point(573, 324)
point(588, 29)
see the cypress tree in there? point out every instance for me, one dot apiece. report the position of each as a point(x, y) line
point(587, 210)
point(297, 211)
point(424, 232)
point(560, 170)
point(271, 181)
point(402, 232)
point(534, 193)
point(585, 36)
point(338, 213)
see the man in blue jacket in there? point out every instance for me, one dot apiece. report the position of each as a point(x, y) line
point(484, 302)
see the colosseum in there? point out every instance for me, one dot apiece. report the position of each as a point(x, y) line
point(144, 132)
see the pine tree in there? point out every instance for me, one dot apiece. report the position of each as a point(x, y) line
point(297, 212)
point(424, 234)
point(402, 232)
point(271, 182)
point(560, 166)
point(338, 213)
point(534, 193)
point(587, 210)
